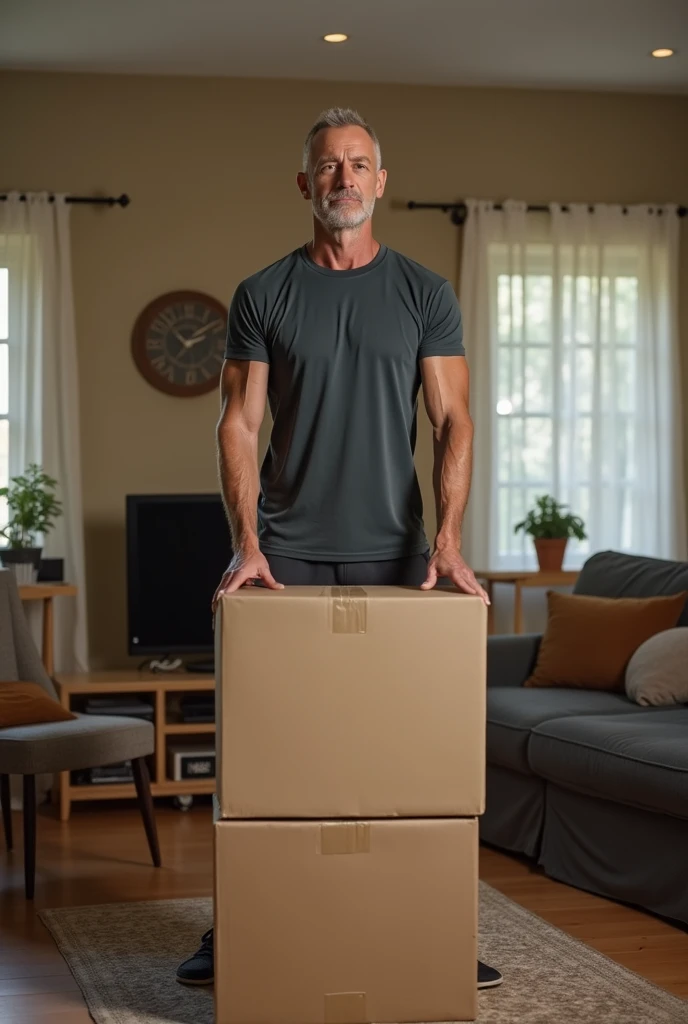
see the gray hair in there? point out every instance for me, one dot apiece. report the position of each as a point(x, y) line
point(340, 117)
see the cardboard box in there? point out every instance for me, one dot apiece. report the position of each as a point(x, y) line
point(345, 922)
point(350, 702)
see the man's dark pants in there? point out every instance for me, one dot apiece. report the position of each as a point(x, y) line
point(398, 572)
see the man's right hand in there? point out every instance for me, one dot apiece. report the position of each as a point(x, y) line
point(244, 568)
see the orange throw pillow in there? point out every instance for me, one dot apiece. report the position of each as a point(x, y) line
point(29, 704)
point(589, 640)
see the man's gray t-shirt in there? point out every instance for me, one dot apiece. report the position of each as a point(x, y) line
point(338, 483)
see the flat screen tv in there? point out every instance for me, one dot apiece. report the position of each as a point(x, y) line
point(178, 546)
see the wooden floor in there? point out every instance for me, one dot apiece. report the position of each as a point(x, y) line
point(101, 856)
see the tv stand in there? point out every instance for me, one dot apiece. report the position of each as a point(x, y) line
point(201, 666)
point(164, 691)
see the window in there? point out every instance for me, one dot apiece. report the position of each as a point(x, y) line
point(4, 393)
point(20, 313)
point(566, 396)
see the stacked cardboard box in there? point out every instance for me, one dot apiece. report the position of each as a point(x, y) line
point(351, 730)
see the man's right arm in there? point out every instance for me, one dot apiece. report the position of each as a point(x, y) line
point(243, 390)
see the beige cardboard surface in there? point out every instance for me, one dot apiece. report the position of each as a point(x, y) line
point(312, 927)
point(350, 702)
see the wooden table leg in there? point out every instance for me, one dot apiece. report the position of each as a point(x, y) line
point(48, 652)
point(65, 799)
point(518, 607)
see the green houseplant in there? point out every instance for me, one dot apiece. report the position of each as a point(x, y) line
point(32, 510)
point(550, 526)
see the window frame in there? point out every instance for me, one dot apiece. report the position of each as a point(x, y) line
point(545, 258)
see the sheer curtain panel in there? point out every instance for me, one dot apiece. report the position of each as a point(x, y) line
point(42, 386)
point(571, 321)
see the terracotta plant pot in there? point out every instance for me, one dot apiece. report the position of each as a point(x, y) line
point(550, 553)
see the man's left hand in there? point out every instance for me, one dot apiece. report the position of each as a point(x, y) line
point(450, 564)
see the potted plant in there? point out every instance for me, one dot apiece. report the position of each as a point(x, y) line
point(32, 510)
point(550, 526)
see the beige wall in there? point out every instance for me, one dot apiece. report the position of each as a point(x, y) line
point(209, 165)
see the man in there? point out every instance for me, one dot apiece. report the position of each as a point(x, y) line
point(339, 335)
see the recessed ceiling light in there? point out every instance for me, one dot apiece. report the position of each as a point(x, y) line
point(663, 51)
point(335, 37)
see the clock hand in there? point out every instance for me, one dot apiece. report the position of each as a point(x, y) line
point(187, 342)
point(195, 340)
point(203, 330)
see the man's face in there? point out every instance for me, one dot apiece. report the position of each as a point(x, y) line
point(343, 181)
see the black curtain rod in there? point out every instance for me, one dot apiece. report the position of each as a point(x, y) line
point(122, 200)
point(459, 211)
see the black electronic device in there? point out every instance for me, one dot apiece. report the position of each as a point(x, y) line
point(197, 707)
point(51, 570)
point(178, 547)
point(129, 707)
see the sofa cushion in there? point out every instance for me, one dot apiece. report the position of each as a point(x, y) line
point(656, 674)
point(640, 760)
point(590, 640)
point(614, 574)
point(512, 712)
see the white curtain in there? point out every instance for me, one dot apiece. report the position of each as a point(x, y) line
point(571, 324)
point(43, 387)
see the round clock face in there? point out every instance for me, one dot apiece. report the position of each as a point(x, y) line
point(178, 342)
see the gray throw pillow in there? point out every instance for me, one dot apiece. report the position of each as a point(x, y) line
point(658, 671)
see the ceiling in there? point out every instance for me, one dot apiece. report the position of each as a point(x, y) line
point(569, 44)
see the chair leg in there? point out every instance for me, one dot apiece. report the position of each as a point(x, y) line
point(142, 780)
point(6, 809)
point(29, 835)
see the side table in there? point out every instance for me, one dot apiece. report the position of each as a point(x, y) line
point(521, 578)
point(45, 592)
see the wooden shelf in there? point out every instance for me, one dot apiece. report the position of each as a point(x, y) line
point(127, 790)
point(133, 682)
point(43, 591)
point(187, 728)
point(158, 686)
point(105, 791)
point(174, 788)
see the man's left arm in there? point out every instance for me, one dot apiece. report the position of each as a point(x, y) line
point(445, 392)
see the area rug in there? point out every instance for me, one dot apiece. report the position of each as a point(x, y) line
point(124, 955)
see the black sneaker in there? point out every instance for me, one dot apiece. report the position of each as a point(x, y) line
point(488, 977)
point(199, 969)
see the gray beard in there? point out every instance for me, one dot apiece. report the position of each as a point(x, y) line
point(342, 218)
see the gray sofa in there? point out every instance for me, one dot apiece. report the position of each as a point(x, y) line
point(588, 783)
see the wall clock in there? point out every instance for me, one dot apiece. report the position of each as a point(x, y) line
point(178, 343)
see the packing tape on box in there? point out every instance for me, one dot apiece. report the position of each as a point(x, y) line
point(344, 837)
point(348, 609)
point(345, 1008)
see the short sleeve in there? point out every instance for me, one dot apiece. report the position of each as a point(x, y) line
point(245, 335)
point(444, 329)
